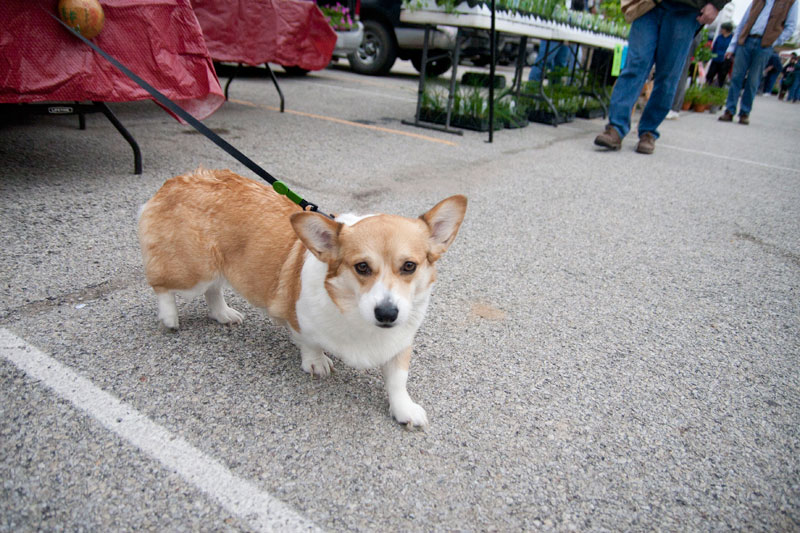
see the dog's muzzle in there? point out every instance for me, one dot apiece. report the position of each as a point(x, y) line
point(386, 313)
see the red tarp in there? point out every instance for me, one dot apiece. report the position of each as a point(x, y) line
point(285, 32)
point(160, 40)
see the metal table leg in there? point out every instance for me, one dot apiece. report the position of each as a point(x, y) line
point(230, 79)
point(275, 81)
point(454, 55)
point(137, 154)
point(81, 110)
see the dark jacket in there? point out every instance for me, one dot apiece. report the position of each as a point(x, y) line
point(720, 46)
point(699, 4)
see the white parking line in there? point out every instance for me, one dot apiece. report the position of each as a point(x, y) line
point(240, 497)
point(728, 158)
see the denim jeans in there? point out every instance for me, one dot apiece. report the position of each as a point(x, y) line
point(794, 90)
point(662, 36)
point(769, 81)
point(557, 55)
point(749, 62)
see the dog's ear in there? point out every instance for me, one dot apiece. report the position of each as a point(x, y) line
point(319, 233)
point(444, 220)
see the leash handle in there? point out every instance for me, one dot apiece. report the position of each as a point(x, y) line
point(277, 185)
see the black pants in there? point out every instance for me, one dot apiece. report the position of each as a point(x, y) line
point(720, 71)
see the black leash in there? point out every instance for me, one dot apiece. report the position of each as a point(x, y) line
point(278, 185)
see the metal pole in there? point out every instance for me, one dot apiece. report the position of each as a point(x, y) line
point(493, 52)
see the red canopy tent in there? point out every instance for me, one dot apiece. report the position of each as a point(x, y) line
point(292, 33)
point(160, 40)
point(285, 32)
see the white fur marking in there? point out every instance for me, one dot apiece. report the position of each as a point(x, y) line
point(350, 336)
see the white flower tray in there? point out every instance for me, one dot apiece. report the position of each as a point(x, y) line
point(506, 22)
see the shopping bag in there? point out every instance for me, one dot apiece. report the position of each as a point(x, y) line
point(633, 9)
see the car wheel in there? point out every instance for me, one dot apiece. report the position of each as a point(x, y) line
point(434, 68)
point(377, 52)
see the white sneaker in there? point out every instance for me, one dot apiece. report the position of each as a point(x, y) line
point(673, 115)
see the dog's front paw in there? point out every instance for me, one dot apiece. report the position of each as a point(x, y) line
point(320, 366)
point(408, 412)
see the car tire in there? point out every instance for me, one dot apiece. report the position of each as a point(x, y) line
point(377, 52)
point(434, 68)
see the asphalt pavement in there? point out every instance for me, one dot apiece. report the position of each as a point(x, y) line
point(613, 342)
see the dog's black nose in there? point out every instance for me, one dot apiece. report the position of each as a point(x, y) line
point(386, 313)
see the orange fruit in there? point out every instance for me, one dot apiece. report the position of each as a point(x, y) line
point(85, 16)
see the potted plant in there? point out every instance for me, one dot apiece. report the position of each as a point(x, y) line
point(433, 105)
point(471, 110)
point(689, 97)
point(718, 97)
point(511, 111)
point(590, 107)
point(702, 100)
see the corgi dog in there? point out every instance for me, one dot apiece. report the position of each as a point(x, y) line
point(356, 287)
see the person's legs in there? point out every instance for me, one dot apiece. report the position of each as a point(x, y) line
point(726, 68)
point(794, 91)
point(562, 56)
point(683, 84)
point(769, 82)
point(714, 69)
point(642, 42)
point(758, 61)
point(741, 63)
point(678, 26)
point(544, 59)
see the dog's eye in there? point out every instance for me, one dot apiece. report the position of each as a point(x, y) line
point(409, 267)
point(363, 269)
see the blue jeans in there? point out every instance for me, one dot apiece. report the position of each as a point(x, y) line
point(553, 54)
point(660, 37)
point(794, 90)
point(769, 81)
point(749, 62)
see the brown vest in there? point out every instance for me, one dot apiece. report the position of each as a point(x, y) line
point(775, 23)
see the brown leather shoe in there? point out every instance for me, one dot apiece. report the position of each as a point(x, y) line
point(727, 116)
point(744, 119)
point(647, 143)
point(609, 138)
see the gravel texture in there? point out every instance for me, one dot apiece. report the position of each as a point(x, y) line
point(612, 344)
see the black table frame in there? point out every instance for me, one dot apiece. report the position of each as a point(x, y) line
point(80, 109)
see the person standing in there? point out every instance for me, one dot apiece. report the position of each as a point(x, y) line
point(793, 81)
point(771, 72)
point(719, 64)
point(660, 37)
point(553, 54)
point(765, 24)
point(788, 76)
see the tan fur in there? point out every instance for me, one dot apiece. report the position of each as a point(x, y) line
point(643, 98)
point(213, 222)
point(386, 243)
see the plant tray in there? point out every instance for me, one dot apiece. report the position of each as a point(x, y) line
point(475, 123)
point(589, 113)
point(430, 115)
point(459, 121)
point(479, 79)
point(517, 122)
point(546, 117)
